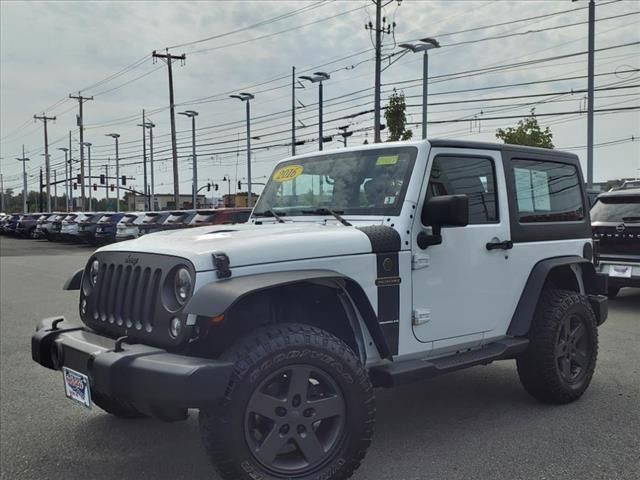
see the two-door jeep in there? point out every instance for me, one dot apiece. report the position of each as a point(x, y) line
point(359, 268)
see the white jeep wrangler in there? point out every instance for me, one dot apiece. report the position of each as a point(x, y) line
point(359, 268)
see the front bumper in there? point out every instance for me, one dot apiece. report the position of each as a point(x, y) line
point(149, 378)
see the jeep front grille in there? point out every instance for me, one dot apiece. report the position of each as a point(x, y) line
point(128, 295)
point(131, 297)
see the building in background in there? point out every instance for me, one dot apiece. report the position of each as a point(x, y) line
point(164, 201)
point(238, 200)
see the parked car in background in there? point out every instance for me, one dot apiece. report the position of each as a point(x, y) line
point(615, 221)
point(69, 228)
point(10, 224)
point(628, 184)
point(44, 228)
point(26, 225)
point(106, 228)
point(55, 228)
point(87, 228)
point(152, 222)
point(127, 227)
point(38, 232)
point(178, 219)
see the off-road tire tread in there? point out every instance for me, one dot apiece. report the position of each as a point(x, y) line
point(536, 367)
point(247, 353)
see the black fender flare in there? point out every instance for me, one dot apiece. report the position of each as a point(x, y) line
point(74, 282)
point(525, 310)
point(216, 298)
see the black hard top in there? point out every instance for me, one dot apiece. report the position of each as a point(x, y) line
point(503, 147)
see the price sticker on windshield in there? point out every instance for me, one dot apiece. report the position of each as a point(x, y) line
point(387, 160)
point(288, 173)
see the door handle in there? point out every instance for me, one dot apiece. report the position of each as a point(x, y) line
point(506, 245)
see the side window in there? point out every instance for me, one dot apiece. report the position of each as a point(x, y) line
point(547, 191)
point(472, 176)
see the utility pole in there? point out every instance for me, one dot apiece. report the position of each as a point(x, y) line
point(80, 122)
point(381, 28)
point(106, 184)
point(150, 125)
point(45, 119)
point(88, 145)
point(168, 59)
point(144, 160)
point(70, 173)
point(319, 78)
point(116, 136)
point(192, 114)
point(41, 187)
point(1, 193)
point(55, 190)
point(24, 161)
point(67, 176)
point(590, 67)
point(293, 111)
point(247, 97)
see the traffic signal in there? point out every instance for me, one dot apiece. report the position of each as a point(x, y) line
point(111, 187)
point(239, 185)
point(79, 179)
point(95, 187)
point(208, 187)
point(102, 179)
point(124, 179)
point(75, 186)
point(216, 187)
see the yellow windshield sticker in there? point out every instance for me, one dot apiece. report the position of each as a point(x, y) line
point(288, 173)
point(387, 160)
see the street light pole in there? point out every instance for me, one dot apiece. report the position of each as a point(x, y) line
point(116, 136)
point(192, 114)
point(247, 97)
point(318, 77)
point(88, 145)
point(426, 45)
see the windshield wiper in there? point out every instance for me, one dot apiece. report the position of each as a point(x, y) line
point(327, 211)
point(269, 213)
point(631, 219)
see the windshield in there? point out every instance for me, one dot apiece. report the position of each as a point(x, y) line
point(616, 209)
point(366, 182)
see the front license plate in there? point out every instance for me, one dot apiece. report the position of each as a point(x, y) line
point(76, 386)
point(623, 271)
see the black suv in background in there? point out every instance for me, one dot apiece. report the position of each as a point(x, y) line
point(615, 220)
point(26, 225)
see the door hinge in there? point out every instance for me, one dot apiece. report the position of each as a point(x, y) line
point(419, 260)
point(420, 317)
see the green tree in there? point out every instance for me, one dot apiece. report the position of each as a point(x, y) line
point(528, 132)
point(396, 118)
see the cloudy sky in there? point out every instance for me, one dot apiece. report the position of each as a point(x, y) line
point(51, 49)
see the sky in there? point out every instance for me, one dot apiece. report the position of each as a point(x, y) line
point(51, 49)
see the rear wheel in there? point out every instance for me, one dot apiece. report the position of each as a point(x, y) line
point(299, 405)
point(561, 358)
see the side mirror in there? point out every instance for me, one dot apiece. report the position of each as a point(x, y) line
point(444, 210)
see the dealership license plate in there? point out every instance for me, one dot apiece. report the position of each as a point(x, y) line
point(76, 386)
point(623, 271)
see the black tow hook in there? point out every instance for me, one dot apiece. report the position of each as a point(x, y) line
point(119, 342)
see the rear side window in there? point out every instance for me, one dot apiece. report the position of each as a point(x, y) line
point(472, 176)
point(616, 209)
point(547, 191)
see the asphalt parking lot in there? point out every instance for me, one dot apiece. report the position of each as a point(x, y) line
point(474, 424)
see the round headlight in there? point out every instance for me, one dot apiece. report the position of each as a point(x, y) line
point(182, 285)
point(175, 327)
point(95, 270)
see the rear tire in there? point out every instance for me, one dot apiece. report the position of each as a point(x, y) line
point(299, 405)
point(559, 363)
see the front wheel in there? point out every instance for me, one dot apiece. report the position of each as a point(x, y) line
point(299, 405)
point(561, 358)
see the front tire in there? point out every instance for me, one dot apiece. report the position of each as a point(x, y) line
point(559, 363)
point(299, 405)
